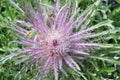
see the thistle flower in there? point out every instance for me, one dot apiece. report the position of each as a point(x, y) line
point(114, 4)
point(60, 37)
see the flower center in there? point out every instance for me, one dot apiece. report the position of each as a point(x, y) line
point(57, 43)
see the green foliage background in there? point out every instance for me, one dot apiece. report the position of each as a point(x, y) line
point(103, 65)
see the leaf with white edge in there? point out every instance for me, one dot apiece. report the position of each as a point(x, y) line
point(15, 5)
point(106, 59)
point(115, 46)
point(4, 59)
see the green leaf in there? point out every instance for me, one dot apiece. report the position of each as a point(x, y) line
point(15, 5)
point(17, 77)
point(4, 59)
point(104, 23)
point(118, 1)
point(106, 59)
point(115, 46)
point(108, 69)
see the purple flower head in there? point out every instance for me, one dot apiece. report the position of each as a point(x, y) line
point(114, 4)
point(57, 36)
